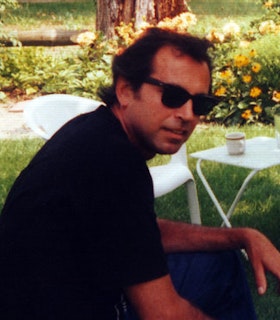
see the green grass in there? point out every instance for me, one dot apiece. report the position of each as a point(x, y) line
point(225, 8)
point(81, 15)
point(259, 207)
point(74, 16)
point(14, 156)
point(214, 14)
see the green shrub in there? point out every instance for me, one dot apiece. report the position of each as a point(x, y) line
point(246, 71)
point(34, 70)
point(5, 6)
point(248, 81)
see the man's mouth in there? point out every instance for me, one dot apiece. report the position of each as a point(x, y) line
point(179, 132)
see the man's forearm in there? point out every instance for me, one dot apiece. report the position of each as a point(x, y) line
point(178, 236)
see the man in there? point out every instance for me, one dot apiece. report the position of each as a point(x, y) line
point(79, 238)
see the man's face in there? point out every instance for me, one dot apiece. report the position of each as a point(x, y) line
point(152, 126)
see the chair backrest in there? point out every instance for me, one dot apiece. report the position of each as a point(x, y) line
point(46, 114)
point(180, 157)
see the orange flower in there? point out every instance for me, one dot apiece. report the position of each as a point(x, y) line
point(246, 114)
point(257, 109)
point(256, 67)
point(255, 92)
point(220, 91)
point(241, 61)
point(276, 96)
point(247, 78)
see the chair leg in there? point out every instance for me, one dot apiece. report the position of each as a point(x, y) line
point(193, 202)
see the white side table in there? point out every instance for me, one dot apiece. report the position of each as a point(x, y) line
point(261, 153)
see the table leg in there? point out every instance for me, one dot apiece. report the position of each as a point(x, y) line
point(240, 192)
point(224, 216)
point(211, 194)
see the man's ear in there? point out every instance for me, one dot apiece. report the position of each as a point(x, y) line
point(123, 91)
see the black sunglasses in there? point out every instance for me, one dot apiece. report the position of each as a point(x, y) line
point(175, 96)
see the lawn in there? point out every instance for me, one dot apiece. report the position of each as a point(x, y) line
point(81, 14)
point(69, 16)
point(259, 206)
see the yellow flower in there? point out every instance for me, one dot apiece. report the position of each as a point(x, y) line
point(179, 23)
point(86, 38)
point(268, 4)
point(276, 96)
point(256, 67)
point(241, 61)
point(215, 36)
point(253, 53)
point(247, 78)
point(225, 74)
point(255, 92)
point(257, 109)
point(231, 28)
point(220, 91)
point(267, 26)
point(246, 114)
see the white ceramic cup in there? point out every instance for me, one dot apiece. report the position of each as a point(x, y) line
point(235, 142)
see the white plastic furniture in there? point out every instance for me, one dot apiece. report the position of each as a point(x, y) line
point(46, 114)
point(170, 176)
point(260, 153)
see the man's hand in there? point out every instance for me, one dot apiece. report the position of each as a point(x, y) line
point(263, 257)
point(180, 237)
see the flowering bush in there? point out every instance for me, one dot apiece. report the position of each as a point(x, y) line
point(246, 92)
point(246, 74)
point(127, 33)
point(247, 70)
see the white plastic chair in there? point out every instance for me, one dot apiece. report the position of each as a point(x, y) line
point(46, 114)
point(170, 176)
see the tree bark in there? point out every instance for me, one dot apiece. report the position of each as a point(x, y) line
point(107, 16)
point(169, 8)
point(110, 13)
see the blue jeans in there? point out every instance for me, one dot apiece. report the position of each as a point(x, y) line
point(214, 282)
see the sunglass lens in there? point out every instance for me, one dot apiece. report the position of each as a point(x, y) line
point(202, 105)
point(174, 97)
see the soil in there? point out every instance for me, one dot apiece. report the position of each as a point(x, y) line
point(12, 123)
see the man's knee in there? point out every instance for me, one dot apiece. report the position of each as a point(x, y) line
point(208, 280)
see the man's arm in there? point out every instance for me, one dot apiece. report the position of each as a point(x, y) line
point(177, 236)
point(157, 299)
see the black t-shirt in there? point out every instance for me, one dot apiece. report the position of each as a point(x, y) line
point(79, 225)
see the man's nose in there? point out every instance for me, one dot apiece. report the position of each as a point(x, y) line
point(185, 112)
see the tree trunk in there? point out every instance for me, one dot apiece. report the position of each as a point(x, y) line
point(110, 13)
point(169, 8)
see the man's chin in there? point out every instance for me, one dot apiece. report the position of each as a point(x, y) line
point(169, 148)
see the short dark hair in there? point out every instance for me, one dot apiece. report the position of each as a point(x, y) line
point(135, 63)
